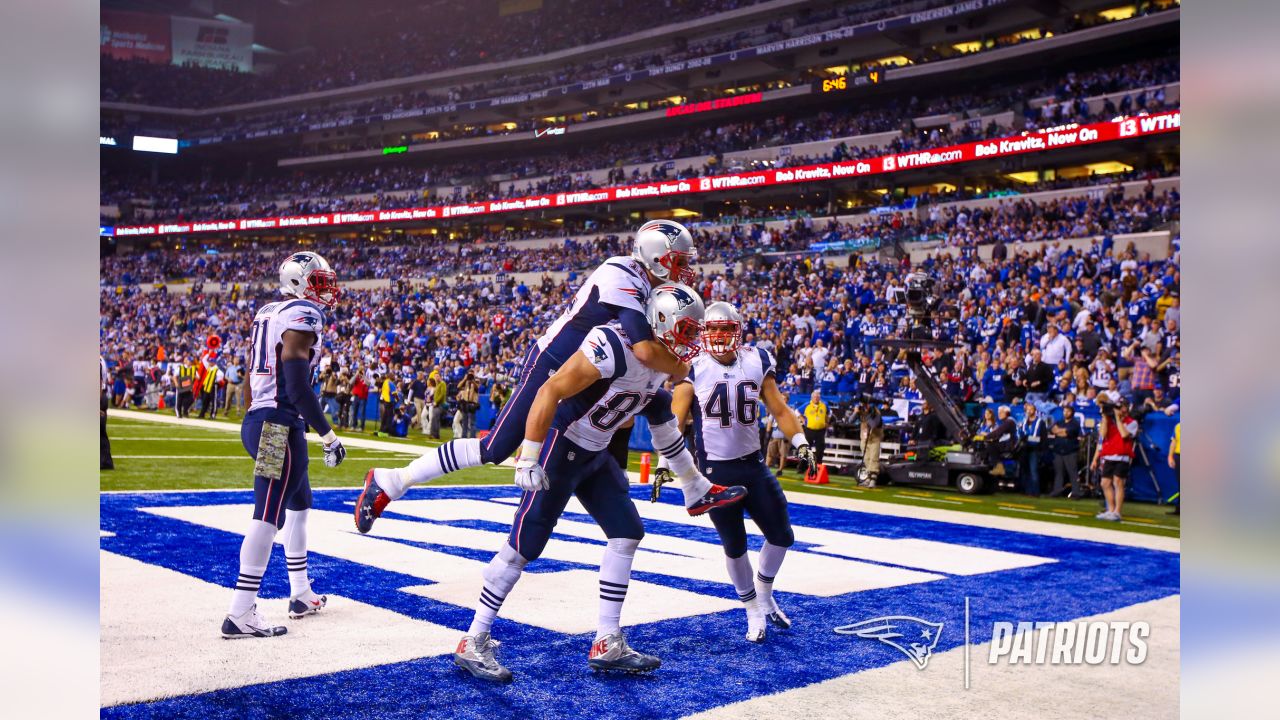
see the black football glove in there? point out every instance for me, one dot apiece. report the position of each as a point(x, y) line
point(661, 477)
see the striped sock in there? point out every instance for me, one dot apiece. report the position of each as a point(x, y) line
point(771, 557)
point(449, 457)
point(499, 577)
point(295, 551)
point(615, 576)
point(255, 552)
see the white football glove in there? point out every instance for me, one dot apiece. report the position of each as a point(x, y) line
point(334, 452)
point(530, 476)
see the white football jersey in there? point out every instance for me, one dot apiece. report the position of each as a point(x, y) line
point(265, 383)
point(726, 407)
point(619, 281)
point(625, 389)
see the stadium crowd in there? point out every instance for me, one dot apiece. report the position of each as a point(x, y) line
point(1013, 219)
point(1054, 326)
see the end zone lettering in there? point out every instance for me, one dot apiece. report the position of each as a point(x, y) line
point(1069, 643)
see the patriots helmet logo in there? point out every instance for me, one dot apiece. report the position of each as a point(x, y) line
point(682, 296)
point(911, 636)
point(302, 259)
point(671, 230)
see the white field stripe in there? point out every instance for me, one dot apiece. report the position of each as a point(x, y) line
point(1044, 692)
point(929, 555)
point(181, 621)
point(349, 441)
point(561, 601)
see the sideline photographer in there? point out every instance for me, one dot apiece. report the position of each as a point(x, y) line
point(871, 434)
point(1117, 433)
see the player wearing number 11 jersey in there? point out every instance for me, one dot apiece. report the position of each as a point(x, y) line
point(723, 391)
point(284, 351)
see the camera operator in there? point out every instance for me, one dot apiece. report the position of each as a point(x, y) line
point(1117, 433)
point(871, 435)
point(468, 403)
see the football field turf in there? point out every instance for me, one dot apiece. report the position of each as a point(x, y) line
point(151, 455)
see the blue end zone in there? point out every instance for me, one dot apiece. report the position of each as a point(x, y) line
point(706, 663)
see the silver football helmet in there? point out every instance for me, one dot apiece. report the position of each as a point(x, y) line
point(722, 328)
point(665, 247)
point(675, 313)
point(308, 276)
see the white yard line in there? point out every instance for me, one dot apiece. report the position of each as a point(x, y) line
point(350, 441)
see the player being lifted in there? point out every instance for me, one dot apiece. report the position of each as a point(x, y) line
point(283, 351)
point(616, 291)
point(600, 387)
point(723, 389)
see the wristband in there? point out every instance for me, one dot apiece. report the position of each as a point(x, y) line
point(799, 440)
point(329, 438)
point(530, 450)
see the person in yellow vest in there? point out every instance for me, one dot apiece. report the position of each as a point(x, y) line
point(186, 384)
point(1175, 462)
point(815, 425)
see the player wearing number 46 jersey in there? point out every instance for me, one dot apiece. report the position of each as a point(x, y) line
point(616, 292)
point(565, 454)
point(723, 391)
point(282, 355)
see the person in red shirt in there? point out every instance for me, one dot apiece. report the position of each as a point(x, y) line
point(359, 400)
point(1117, 433)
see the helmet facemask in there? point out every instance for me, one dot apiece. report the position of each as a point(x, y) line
point(684, 339)
point(722, 337)
point(322, 287)
point(679, 266)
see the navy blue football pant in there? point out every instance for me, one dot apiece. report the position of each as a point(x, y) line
point(764, 502)
point(508, 432)
point(591, 475)
point(292, 490)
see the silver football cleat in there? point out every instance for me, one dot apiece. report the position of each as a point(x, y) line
point(307, 603)
point(755, 622)
point(779, 619)
point(612, 652)
point(477, 654)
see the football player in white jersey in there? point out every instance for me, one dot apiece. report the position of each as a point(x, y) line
point(722, 392)
point(616, 292)
point(564, 454)
point(284, 349)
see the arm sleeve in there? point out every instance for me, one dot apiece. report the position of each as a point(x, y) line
point(297, 383)
point(633, 322)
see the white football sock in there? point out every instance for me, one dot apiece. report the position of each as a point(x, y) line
point(449, 457)
point(615, 576)
point(255, 552)
point(740, 576)
point(770, 561)
point(295, 551)
point(499, 577)
point(694, 488)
